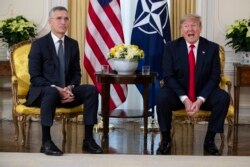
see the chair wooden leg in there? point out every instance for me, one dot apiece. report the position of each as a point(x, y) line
point(23, 129)
point(222, 137)
point(229, 132)
point(15, 122)
point(173, 128)
point(64, 129)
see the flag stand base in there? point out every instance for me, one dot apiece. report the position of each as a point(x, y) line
point(153, 126)
point(99, 126)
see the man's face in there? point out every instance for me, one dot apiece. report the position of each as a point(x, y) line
point(190, 30)
point(59, 22)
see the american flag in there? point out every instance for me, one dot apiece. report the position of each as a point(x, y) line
point(104, 31)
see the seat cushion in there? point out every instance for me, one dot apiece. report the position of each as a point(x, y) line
point(203, 113)
point(24, 110)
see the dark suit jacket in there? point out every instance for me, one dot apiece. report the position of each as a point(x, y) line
point(44, 65)
point(176, 71)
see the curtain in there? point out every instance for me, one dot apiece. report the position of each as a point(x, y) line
point(178, 8)
point(78, 18)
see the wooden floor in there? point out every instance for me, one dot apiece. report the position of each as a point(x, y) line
point(126, 138)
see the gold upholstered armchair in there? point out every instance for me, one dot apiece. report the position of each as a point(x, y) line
point(181, 116)
point(20, 85)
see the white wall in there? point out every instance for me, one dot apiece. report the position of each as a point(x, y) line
point(216, 16)
point(36, 11)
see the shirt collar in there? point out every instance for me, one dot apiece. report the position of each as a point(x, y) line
point(55, 38)
point(195, 44)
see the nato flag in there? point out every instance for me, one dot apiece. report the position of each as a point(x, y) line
point(150, 32)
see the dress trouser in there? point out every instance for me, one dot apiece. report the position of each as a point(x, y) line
point(84, 94)
point(217, 103)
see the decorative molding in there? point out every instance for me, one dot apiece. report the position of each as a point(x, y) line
point(44, 29)
point(59, 3)
point(6, 10)
point(201, 9)
point(219, 26)
point(36, 11)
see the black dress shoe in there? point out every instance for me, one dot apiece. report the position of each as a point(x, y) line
point(90, 146)
point(49, 148)
point(164, 148)
point(211, 149)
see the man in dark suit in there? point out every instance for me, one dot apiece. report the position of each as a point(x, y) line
point(54, 67)
point(196, 91)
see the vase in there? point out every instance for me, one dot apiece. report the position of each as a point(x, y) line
point(244, 57)
point(124, 67)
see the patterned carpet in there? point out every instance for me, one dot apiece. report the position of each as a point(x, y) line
point(111, 160)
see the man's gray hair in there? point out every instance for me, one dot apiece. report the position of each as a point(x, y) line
point(51, 12)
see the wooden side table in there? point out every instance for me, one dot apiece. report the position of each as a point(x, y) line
point(241, 79)
point(5, 74)
point(111, 78)
point(5, 69)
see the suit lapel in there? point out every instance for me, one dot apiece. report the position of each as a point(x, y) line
point(67, 53)
point(201, 52)
point(52, 49)
point(183, 53)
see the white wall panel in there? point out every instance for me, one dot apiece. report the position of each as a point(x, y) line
point(219, 14)
point(36, 11)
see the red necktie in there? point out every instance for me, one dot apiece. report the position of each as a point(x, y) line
point(191, 87)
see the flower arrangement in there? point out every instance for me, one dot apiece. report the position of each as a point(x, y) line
point(127, 52)
point(14, 30)
point(239, 35)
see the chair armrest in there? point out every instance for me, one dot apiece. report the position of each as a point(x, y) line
point(13, 79)
point(226, 82)
point(14, 86)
